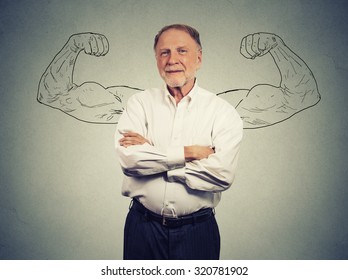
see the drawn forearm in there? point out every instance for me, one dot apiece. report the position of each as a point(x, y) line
point(297, 80)
point(57, 80)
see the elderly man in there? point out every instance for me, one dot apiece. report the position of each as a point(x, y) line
point(178, 148)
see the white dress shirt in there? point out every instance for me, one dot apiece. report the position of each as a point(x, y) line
point(157, 174)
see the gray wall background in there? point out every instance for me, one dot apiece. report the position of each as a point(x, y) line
point(60, 179)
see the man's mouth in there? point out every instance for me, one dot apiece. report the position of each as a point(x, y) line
point(173, 71)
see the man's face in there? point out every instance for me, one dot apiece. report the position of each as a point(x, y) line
point(178, 58)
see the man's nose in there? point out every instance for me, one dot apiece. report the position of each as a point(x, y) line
point(173, 58)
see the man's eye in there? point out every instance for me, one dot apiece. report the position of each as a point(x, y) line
point(164, 53)
point(182, 51)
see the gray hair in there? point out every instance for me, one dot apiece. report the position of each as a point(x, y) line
point(183, 27)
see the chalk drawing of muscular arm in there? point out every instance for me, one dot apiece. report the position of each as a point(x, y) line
point(261, 106)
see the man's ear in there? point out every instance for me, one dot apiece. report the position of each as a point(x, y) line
point(199, 58)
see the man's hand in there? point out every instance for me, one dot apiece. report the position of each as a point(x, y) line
point(197, 152)
point(258, 44)
point(91, 43)
point(132, 138)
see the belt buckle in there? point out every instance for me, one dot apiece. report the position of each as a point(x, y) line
point(165, 216)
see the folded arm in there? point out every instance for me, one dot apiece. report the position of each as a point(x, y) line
point(199, 167)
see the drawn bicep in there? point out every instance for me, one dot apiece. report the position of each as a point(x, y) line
point(265, 105)
point(263, 98)
point(91, 102)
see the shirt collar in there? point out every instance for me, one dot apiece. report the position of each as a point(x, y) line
point(191, 96)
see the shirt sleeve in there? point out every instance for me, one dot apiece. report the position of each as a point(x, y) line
point(143, 160)
point(217, 172)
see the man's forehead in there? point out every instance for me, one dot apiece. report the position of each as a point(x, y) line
point(175, 36)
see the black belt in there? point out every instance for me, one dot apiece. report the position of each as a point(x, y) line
point(196, 217)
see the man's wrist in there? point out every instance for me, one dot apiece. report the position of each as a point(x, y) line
point(189, 153)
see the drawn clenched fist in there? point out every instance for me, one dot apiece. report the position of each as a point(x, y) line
point(258, 44)
point(91, 43)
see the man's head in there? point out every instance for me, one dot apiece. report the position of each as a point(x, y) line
point(179, 55)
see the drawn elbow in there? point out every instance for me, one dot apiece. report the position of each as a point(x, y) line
point(317, 96)
point(43, 93)
point(312, 98)
point(41, 96)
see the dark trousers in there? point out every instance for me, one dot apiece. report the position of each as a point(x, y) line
point(146, 239)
